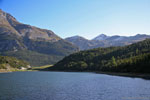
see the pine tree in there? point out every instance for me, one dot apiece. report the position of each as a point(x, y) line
point(137, 51)
point(113, 61)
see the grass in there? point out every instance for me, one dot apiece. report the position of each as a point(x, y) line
point(40, 68)
point(11, 70)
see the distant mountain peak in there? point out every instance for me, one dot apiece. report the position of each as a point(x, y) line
point(102, 34)
point(140, 34)
point(80, 42)
point(101, 37)
point(76, 37)
point(103, 40)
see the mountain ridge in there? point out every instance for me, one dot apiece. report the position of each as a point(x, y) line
point(16, 37)
point(103, 40)
point(100, 37)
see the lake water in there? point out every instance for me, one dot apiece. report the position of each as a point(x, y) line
point(71, 86)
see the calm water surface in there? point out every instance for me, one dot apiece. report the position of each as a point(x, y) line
point(71, 86)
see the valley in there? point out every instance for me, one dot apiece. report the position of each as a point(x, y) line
point(41, 47)
point(74, 50)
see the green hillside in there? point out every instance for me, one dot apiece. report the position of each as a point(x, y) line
point(34, 58)
point(133, 58)
point(11, 62)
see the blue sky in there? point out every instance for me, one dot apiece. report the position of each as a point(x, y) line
point(87, 18)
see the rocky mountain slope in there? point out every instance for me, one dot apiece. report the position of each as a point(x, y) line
point(35, 45)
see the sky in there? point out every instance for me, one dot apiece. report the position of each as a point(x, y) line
point(87, 18)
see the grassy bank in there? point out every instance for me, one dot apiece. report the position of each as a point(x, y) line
point(10, 70)
point(41, 68)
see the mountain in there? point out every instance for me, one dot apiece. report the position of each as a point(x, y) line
point(106, 41)
point(81, 42)
point(133, 58)
point(101, 37)
point(35, 45)
point(85, 44)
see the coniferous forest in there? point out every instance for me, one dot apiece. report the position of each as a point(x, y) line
point(134, 58)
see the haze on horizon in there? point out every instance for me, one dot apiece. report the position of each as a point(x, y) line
point(87, 18)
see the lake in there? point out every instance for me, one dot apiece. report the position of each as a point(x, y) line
point(71, 86)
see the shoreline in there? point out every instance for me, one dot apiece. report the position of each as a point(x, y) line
point(12, 70)
point(4, 71)
point(131, 75)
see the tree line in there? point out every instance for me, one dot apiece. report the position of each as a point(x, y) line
point(132, 58)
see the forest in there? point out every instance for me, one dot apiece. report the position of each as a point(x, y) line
point(134, 58)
